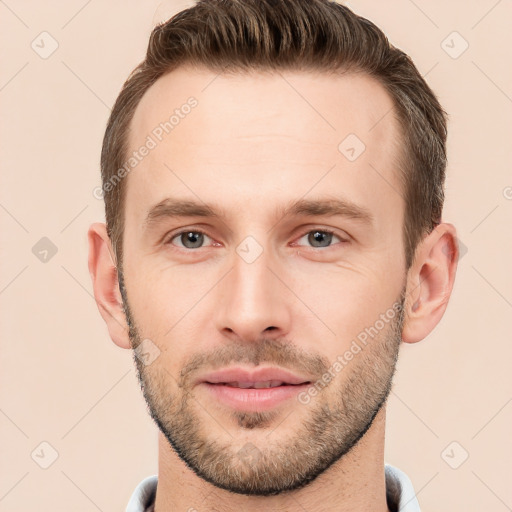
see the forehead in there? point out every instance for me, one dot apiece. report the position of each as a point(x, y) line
point(333, 102)
point(211, 133)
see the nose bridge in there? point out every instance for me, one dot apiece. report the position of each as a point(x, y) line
point(252, 299)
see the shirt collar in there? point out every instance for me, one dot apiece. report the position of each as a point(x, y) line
point(399, 493)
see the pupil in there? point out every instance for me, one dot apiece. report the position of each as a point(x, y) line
point(317, 237)
point(192, 239)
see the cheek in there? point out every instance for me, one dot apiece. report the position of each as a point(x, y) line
point(159, 294)
point(168, 305)
point(351, 307)
point(345, 300)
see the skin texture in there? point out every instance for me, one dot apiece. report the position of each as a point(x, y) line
point(253, 145)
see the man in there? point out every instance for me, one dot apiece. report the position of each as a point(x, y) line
point(273, 180)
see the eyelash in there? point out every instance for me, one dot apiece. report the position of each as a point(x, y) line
point(322, 230)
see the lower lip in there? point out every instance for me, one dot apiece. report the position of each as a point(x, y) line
point(246, 399)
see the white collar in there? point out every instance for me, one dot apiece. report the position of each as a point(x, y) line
point(143, 497)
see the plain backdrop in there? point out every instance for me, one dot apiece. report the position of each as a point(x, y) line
point(69, 398)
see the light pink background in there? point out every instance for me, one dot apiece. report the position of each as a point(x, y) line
point(65, 383)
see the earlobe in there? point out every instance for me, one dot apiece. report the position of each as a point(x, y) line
point(430, 282)
point(104, 277)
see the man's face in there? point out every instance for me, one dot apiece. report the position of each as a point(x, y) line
point(261, 284)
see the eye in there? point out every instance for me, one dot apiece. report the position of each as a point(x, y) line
point(319, 238)
point(191, 239)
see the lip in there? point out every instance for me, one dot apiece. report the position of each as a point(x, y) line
point(258, 375)
point(253, 399)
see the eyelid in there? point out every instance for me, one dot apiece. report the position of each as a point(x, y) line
point(343, 239)
point(169, 237)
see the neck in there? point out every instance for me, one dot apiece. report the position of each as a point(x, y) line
point(355, 483)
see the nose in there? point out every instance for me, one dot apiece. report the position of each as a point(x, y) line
point(252, 301)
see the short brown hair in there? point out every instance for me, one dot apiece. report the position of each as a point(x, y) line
point(233, 36)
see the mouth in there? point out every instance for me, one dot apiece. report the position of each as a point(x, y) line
point(257, 385)
point(253, 390)
point(253, 396)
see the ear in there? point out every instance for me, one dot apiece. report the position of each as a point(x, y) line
point(106, 285)
point(430, 282)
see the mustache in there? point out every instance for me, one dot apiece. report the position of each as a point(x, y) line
point(275, 352)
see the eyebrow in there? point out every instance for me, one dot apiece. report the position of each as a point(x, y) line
point(177, 208)
point(329, 208)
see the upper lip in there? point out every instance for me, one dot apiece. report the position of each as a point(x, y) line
point(257, 375)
